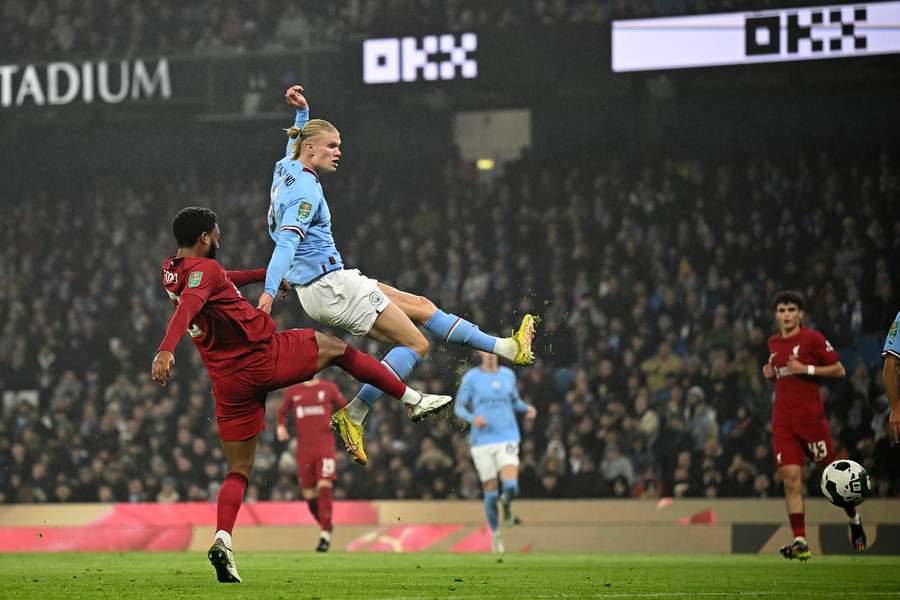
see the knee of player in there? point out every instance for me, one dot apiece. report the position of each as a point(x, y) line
point(330, 348)
point(322, 483)
point(421, 345)
point(244, 467)
point(426, 307)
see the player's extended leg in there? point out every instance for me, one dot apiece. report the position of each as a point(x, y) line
point(792, 477)
point(366, 369)
point(509, 484)
point(324, 491)
point(451, 328)
point(490, 511)
point(240, 456)
point(312, 503)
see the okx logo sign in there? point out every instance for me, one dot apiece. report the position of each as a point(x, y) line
point(431, 58)
point(806, 32)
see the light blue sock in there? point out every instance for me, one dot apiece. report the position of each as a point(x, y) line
point(451, 328)
point(402, 361)
point(510, 489)
point(490, 509)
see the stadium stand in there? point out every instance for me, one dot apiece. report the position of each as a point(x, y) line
point(654, 284)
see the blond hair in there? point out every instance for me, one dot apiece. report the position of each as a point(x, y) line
point(309, 131)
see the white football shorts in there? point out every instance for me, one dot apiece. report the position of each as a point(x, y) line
point(345, 299)
point(490, 458)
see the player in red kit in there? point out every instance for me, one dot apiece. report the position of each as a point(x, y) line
point(312, 403)
point(245, 358)
point(798, 357)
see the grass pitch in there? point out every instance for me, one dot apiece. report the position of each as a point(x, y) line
point(412, 576)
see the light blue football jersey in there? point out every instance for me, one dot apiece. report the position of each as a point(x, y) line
point(495, 397)
point(892, 341)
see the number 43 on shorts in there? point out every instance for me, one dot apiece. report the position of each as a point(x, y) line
point(818, 449)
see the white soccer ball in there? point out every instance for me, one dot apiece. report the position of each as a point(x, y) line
point(846, 483)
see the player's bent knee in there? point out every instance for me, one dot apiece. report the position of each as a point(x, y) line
point(330, 348)
point(323, 483)
point(421, 345)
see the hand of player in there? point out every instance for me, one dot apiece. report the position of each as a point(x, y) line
point(531, 412)
point(796, 367)
point(894, 426)
point(284, 289)
point(768, 369)
point(265, 303)
point(479, 422)
point(282, 434)
point(162, 366)
point(295, 98)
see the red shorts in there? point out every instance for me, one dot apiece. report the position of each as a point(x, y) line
point(291, 358)
point(314, 467)
point(792, 440)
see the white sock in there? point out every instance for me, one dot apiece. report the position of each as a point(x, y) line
point(325, 535)
point(224, 536)
point(800, 538)
point(856, 520)
point(506, 348)
point(357, 411)
point(411, 396)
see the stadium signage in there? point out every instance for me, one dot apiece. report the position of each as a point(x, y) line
point(63, 83)
point(395, 60)
point(769, 36)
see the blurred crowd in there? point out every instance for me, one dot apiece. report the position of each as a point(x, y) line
point(654, 284)
point(46, 29)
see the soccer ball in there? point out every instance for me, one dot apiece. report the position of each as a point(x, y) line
point(846, 483)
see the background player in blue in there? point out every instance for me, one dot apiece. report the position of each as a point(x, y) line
point(305, 256)
point(489, 400)
point(891, 354)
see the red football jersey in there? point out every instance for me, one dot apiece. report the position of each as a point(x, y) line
point(227, 329)
point(797, 396)
point(312, 403)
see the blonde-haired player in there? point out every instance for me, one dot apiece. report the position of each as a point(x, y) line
point(305, 256)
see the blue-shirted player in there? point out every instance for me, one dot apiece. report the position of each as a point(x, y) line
point(489, 400)
point(305, 256)
point(891, 354)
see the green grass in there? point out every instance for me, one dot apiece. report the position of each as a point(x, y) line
point(412, 576)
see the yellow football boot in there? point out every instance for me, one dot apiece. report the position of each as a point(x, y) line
point(523, 338)
point(351, 434)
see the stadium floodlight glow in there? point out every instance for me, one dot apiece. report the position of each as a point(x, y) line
point(484, 164)
point(434, 57)
point(767, 36)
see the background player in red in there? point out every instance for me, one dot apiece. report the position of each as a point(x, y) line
point(245, 358)
point(798, 356)
point(312, 403)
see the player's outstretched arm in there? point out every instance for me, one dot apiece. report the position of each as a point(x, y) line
point(188, 307)
point(279, 264)
point(294, 97)
point(891, 374)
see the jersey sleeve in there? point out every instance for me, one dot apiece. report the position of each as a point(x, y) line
point(300, 119)
point(823, 351)
point(284, 408)
point(518, 404)
point(891, 342)
point(463, 397)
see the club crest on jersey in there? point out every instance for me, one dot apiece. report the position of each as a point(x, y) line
point(304, 211)
point(893, 332)
point(195, 278)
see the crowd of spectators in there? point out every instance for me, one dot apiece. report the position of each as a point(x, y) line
point(46, 29)
point(654, 285)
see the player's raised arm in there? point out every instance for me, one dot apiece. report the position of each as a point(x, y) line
point(295, 98)
point(246, 277)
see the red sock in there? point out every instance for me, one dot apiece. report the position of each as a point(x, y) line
point(325, 508)
point(231, 495)
point(798, 525)
point(313, 505)
point(366, 369)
